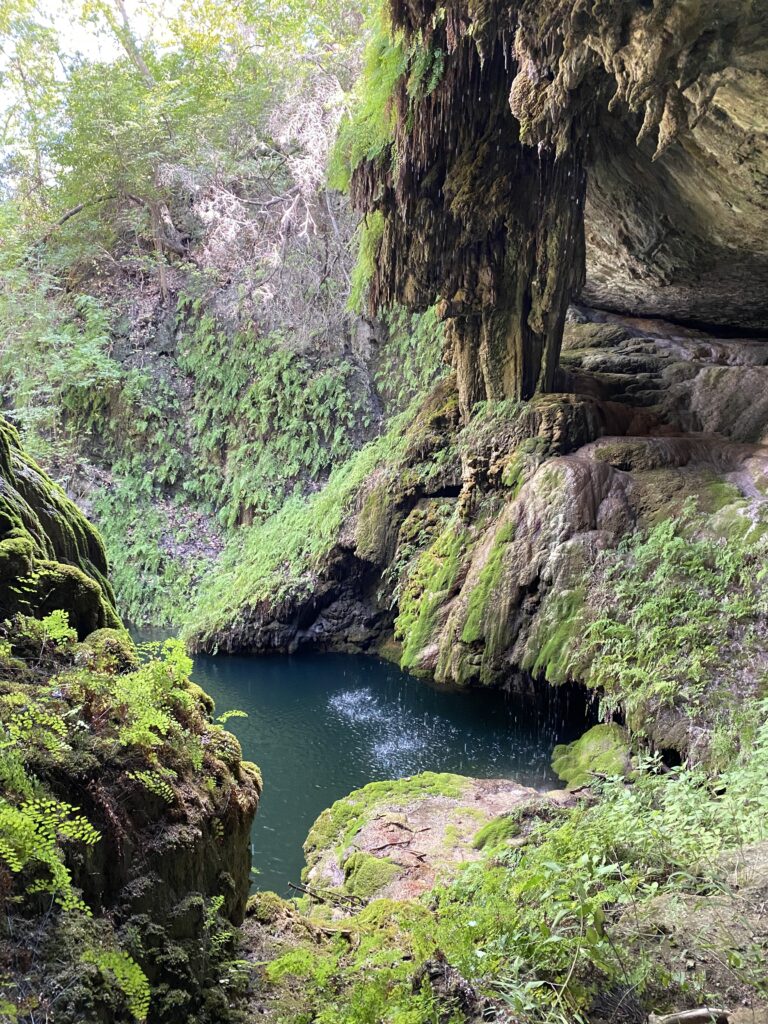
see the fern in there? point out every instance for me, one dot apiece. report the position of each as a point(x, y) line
point(130, 978)
point(30, 835)
point(155, 783)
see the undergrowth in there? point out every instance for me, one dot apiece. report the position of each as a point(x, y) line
point(367, 133)
point(159, 552)
point(227, 429)
point(412, 357)
point(266, 419)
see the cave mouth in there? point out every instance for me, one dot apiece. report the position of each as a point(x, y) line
point(321, 725)
point(718, 331)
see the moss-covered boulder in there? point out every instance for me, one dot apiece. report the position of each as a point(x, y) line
point(603, 751)
point(126, 813)
point(108, 650)
point(50, 556)
point(394, 839)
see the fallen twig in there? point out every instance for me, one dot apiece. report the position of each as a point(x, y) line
point(703, 1015)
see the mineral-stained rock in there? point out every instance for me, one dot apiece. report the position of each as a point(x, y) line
point(501, 113)
point(487, 581)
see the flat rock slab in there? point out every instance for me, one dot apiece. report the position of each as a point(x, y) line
point(427, 837)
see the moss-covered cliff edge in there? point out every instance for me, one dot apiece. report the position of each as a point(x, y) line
point(443, 898)
point(125, 818)
point(50, 555)
point(125, 807)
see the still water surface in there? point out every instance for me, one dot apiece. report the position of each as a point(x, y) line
point(322, 725)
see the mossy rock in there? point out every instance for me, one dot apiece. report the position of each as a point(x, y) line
point(430, 586)
point(475, 624)
point(365, 875)
point(266, 907)
point(338, 824)
point(390, 650)
point(497, 832)
point(109, 650)
point(578, 336)
point(554, 644)
point(602, 750)
point(377, 524)
point(51, 557)
point(224, 746)
point(203, 700)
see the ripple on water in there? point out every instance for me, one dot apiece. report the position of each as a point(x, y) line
point(407, 743)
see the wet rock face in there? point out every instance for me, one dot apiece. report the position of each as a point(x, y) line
point(675, 215)
point(154, 859)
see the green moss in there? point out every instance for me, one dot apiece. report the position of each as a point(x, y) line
point(280, 555)
point(16, 555)
point(717, 494)
point(365, 875)
point(428, 588)
point(736, 522)
point(377, 523)
point(497, 832)
point(369, 236)
point(58, 585)
point(411, 359)
point(555, 643)
point(452, 835)
point(512, 475)
point(69, 727)
point(368, 132)
point(602, 750)
point(530, 452)
point(50, 556)
point(487, 582)
point(565, 916)
point(110, 650)
point(266, 907)
point(390, 650)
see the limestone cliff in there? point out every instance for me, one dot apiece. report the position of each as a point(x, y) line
point(503, 112)
point(518, 549)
